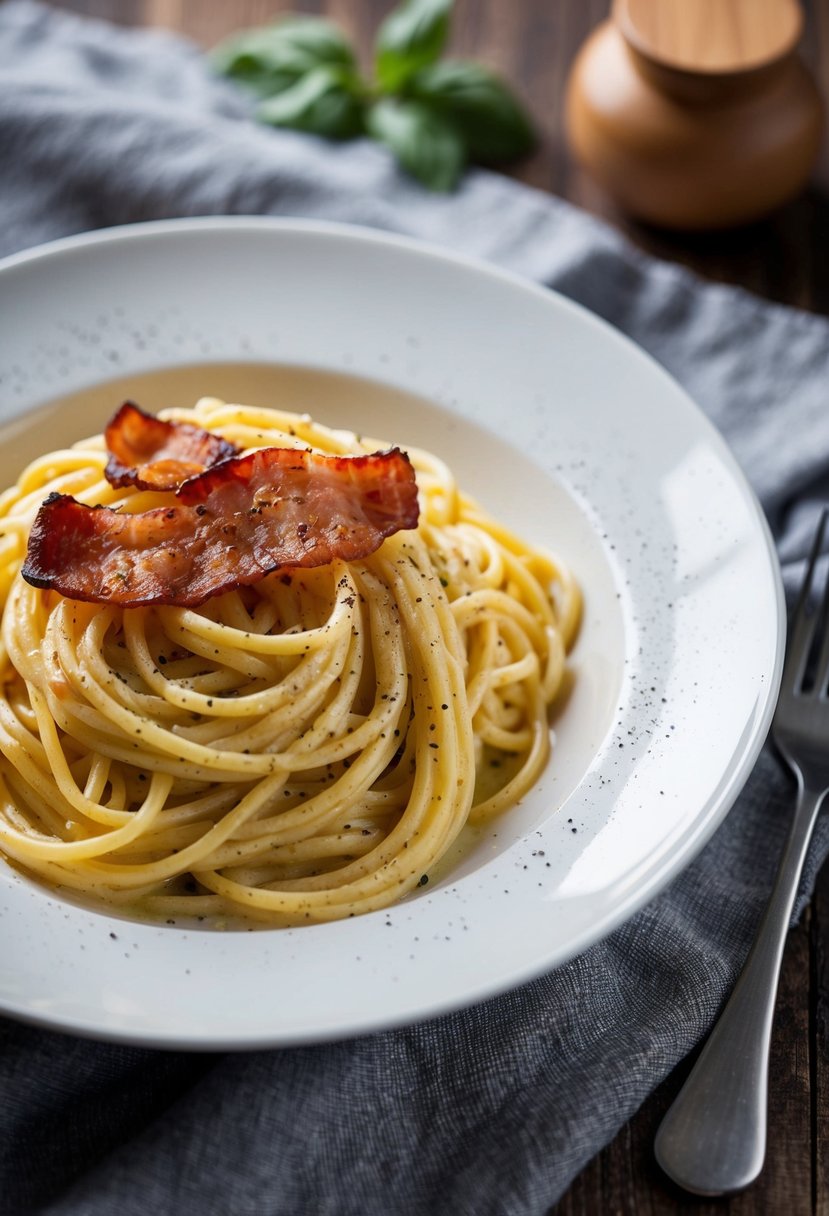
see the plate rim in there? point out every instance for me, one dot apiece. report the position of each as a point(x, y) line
point(660, 874)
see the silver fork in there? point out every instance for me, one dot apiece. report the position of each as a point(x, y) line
point(713, 1139)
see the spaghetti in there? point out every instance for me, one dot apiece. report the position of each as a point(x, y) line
point(304, 749)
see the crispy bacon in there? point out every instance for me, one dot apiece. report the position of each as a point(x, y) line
point(152, 454)
point(230, 527)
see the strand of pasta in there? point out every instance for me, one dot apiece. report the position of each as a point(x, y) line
point(304, 751)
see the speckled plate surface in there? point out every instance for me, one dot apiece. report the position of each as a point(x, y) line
point(556, 423)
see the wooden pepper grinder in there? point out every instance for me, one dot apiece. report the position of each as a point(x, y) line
point(696, 114)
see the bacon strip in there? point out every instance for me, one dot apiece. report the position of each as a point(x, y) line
point(152, 454)
point(231, 526)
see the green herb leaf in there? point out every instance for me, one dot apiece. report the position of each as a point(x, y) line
point(493, 124)
point(410, 38)
point(425, 144)
point(432, 115)
point(271, 59)
point(328, 102)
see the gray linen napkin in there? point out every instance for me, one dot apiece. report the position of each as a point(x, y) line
point(492, 1110)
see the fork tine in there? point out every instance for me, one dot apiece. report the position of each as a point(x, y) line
point(804, 621)
point(822, 669)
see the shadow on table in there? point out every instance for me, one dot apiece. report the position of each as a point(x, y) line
point(784, 258)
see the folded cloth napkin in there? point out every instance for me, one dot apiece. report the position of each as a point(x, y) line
point(495, 1109)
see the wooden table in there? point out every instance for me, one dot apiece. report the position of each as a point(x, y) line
point(786, 258)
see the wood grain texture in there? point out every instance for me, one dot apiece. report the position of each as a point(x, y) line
point(712, 35)
point(533, 42)
point(784, 258)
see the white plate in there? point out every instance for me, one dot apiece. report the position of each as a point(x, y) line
point(557, 424)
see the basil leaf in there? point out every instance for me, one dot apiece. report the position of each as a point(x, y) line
point(326, 102)
point(272, 58)
point(493, 124)
point(410, 38)
point(426, 145)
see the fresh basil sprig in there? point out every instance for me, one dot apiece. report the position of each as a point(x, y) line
point(435, 115)
point(272, 59)
point(426, 145)
point(410, 38)
point(325, 102)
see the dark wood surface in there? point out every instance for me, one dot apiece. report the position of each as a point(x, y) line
point(784, 258)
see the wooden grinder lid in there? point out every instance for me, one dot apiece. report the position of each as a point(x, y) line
point(710, 36)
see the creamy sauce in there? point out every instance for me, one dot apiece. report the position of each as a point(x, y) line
point(387, 413)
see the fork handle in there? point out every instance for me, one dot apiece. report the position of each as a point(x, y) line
point(713, 1139)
